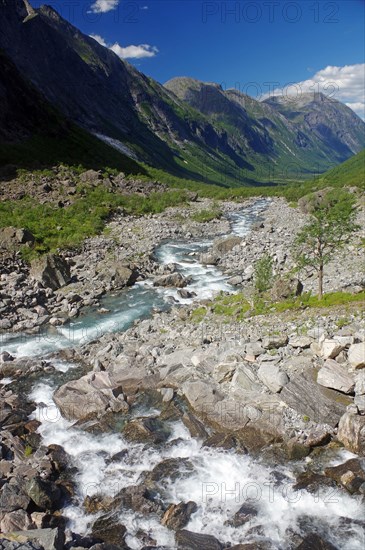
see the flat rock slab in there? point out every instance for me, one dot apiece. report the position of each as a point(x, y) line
point(322, 405)
point(186, 540)
point(336, 376)
point(48, 539)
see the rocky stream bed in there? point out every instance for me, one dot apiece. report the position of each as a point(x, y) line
point(127, 424)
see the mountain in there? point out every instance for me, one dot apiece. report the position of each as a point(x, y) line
point(188, 128)
point(331, 123)
point(33, 133)
point(350, 172)
point(305, 134)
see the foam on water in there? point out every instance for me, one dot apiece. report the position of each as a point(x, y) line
point(6, 381)
point(220, 482)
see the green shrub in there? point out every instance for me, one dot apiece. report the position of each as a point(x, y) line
point(263, 274)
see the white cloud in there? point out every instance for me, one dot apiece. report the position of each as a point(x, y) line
point(346, 84)
point(103, 6)
point(144, 8)
point(99, 39)
point(129, 52)
point(134, 52)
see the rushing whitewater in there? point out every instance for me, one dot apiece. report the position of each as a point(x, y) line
point(218, 481)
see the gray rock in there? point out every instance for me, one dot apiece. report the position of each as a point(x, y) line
point(51, 270)
point(331, 348)
point(209, 258)
point(360, 383)
point(321, 405)
point(356, 355)
point(186, 540)
point(48, 539)
point(177, 516)
point(11, 238)
point(91, 395)
point(359, 401)
point(336, 376)
point(201, 395)
point(274, 342)
point(300, 342)
point(171, 280)
point(351, 432)
point(273, 378)
point(245, 379)
point(286, 288)
point(12, 497)
point(226, 244)
point(18, 520)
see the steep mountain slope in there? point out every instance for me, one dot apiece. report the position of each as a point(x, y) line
point(319, 131)
point(34, 134)
point(188, 128)
point(350, 172)
point(106, 95)
point(338, 129)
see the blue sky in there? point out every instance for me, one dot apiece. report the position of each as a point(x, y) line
point(251, 45)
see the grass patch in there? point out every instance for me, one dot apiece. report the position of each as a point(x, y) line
point(55, 227)
point(237, 305)
point(204, 216)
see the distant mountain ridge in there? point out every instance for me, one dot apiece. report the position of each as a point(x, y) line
point(188, 128)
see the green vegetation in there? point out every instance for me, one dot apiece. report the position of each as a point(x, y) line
point(55, 227)
point(28, 451)
point(263, 274)
point(350, 172)
point(332, 220)
point(238, 307)
point(204, 216)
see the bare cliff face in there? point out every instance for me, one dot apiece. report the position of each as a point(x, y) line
point(189, 128)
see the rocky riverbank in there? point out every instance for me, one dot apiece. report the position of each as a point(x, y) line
point(57, 288)
point(153, 415)
point(285, 389)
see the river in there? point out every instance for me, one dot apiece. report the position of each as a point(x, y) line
point(218, 481)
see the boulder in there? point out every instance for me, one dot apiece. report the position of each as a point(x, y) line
point(172, 280)
point(226, 244)
point(321, 405)
point(208, 258)
point(177, 516)
point(350, 474)
point(11, 238)
point(123, 276)
point(146, 430)
point(331, 348)
point(336, 376)
point(186, 540)
point(351, 431)
point(356, 355)
point(246, 513)
point(286, 288)
point(91, 176)
point(315, 542)
point(12, 497)
point(273, 378)
point(108, 529)
point(201, 395)
point(275, 341)
point(302, 342)
point(51, 270)
point(139, 499)
point(46, 539)
point(45, 494)
point(18, 520)
point(89, 396)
